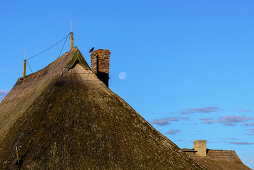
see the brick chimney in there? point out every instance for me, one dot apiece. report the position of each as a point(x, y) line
point(200, 147)
point(100, 64)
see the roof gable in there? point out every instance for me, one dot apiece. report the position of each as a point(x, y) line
point(77, 58)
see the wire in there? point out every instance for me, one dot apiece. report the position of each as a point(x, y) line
point(29, 66)
point(49, 47)
point(63, 45)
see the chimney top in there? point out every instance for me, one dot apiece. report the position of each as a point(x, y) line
point(200, 147)
point(99, 51)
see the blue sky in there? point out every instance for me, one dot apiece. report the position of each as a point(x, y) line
point(187, 65)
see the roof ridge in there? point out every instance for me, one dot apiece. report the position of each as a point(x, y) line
point(43, 70)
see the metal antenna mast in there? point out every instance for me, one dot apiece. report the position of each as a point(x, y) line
point(71, 24)
point(71, 37)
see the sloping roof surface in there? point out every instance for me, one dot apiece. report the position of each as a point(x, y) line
point(60, 119)
point(221, 160)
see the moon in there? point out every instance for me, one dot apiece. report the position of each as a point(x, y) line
point(122, 75)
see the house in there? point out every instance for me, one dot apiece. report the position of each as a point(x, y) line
point(65, 117)
point(214, 159)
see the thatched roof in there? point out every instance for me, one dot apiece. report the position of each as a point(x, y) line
point(219, 160)
point(64, 117)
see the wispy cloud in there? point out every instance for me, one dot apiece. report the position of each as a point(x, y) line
point(201, 110)
point(206, 119)
point(240, 110)
point(173, 132)
point(3, 93)
point(209, 141)
point(235, 141)
point(232, 138)
point(230, 120)
point(241, 143)
point(167, 120)
point(250, 132)
point(164, 121)
point(249, 124)
point(184, 118)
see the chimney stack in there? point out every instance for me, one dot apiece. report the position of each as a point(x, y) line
point(200, 147)
point(100, 64)
point(71, 40)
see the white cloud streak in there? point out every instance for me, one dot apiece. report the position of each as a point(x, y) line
point(3, 93)
point(230, 120)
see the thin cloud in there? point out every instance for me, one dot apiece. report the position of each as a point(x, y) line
point(3, 93)
point(161, 122)
point(201, 110)
point(241, 143)
point(232, 138)
point(249, 124)
point(206, 119)
point(184, 118)
point(240, 110)
point(230, 120)
point(173, 132)
point(164, 121)
point(251, 132)
point(167, 120)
